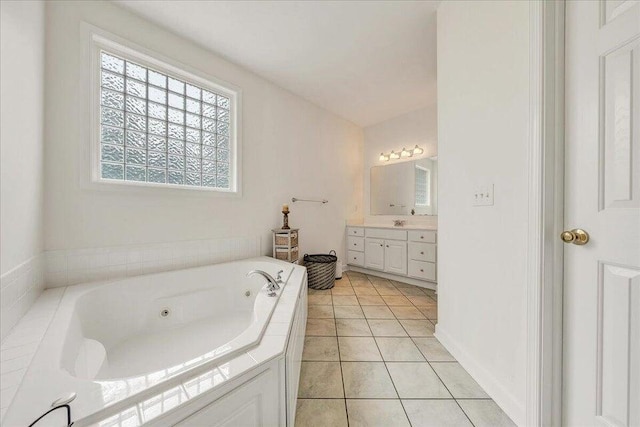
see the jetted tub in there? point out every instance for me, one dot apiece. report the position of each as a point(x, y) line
point(115, 341)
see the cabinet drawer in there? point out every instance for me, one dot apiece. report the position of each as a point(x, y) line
point(427, 236)
point(355, 231)
point(422, 251)
point(422, 270)
point(355, 258)
point(355, 243)
point(383, 233)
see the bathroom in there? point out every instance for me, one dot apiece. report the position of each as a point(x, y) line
point(166, 166)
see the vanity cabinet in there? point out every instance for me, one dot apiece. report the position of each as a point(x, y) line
point(391, 252)
point(374, 254)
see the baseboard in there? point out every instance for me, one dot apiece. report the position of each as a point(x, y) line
point(509, 404)
point(403, 279)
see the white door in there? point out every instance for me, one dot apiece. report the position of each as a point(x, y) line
point(374, 254)
point(601, 381)
point(395, 257)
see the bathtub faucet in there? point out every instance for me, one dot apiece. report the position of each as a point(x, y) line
point(272, 285)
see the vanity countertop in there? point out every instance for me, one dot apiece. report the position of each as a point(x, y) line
point(392, 227)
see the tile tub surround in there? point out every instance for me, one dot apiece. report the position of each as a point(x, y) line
point(142, 404)
point(70, 267)
point(19, 289)
point(377, 362)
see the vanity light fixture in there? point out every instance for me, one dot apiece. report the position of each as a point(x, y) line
point(402, 154)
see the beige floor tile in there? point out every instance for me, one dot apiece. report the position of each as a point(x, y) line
point(417, 381)
point(418, 328)
point(403, 312)
point(485, 413)
point(435, 413)
point(321, 327)
point(370, 300)
point(412, 291)
point(402, 285)
point(364, 380)
point(321, 412)
point(318, 292)
point(458, 381)
point(433, 350)
point(319, 299)
point(365, 291)
point(376, 413)
point(320, 312)
point(377, 312)
point(396, 300)
point(421, 301)
point(430, 312)
point(388, 291)
point(348, 312)
point(399, 349)
point(386, 328)
point(362, 284)
point(342, 283)
point(347, 290)
point(353, 328)
point(358, 349)
point(345, 300)
point(320, 380)
point(379, 280)
point(320, 349)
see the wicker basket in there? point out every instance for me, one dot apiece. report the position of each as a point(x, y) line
point(283, 254)
point(283, 239)
point(321, 270)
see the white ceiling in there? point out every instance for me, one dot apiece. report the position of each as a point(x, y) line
point(366, 61)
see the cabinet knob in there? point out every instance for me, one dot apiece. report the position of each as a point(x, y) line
point(381, 245)
point(355, 244)
point(421, 271)
point(387, 245)
point(422, 237)
point(354, 258)
point(421, 252)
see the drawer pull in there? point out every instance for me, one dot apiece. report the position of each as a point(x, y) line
point(355, 244)
point(421, 270)
point(381, 245)
point(355, 258)
point(422, 237)
point(387, 245)
point(421, 252)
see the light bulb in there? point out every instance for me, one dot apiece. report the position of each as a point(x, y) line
point(405, 153)
point(394, 155)
point(418, 150)
point(383, 157)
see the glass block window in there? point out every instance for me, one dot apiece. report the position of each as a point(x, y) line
point(160, 129)
point(423, 186)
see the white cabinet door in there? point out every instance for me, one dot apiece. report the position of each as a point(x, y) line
point(374, 254)
point(395, 257)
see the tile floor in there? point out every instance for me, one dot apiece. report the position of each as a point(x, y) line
point(370, 359)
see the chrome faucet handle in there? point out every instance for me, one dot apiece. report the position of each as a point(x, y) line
point(279, 278)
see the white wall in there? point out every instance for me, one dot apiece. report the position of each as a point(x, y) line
point(417, 127)
point(290, 148)
point(21, 154)
point(483, 52)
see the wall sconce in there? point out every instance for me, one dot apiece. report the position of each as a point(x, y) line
point(404, 154)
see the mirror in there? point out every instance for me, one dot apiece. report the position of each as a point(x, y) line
point(405, 188)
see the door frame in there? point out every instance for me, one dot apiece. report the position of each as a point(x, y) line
point(544, 275)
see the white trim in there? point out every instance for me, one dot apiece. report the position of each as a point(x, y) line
point(494, 388)
point(94, 39)
point(545, 210)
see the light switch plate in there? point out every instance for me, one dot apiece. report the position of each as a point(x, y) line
point(483, 195)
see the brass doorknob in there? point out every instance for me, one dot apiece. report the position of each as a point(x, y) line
point(576, 236)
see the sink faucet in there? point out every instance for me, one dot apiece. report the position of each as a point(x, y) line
point(272, 285)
